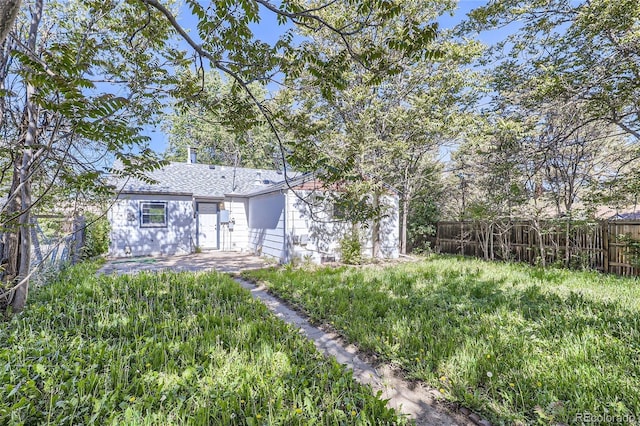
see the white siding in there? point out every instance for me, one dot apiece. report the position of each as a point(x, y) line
point(323, 234)
point(266, 225)
point(313, 233)
point(389, 230)
point(390, 227)
point(238, 239)
point(127, 235)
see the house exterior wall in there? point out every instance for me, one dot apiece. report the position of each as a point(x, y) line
point(277, 224)
point(389, 230)
point(129, 238)
point(266, 220)
point(313, 233)
point(317, 236)
point(238, 238)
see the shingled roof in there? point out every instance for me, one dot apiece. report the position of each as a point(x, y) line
point(626, 216)
point(202, 180)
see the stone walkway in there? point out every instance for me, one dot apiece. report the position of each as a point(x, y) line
point(420, 403)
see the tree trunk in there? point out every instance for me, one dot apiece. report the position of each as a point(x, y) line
point(8, 11)
point(375, 228)
point(405, 219)
point(567, 241)
point(543, 254)
point(20, 296)
point(11, 232)
point(10, 256)
point(4, 70)
point(21, 292)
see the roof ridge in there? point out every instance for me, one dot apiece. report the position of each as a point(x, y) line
point(203, 180)
point(181, 163)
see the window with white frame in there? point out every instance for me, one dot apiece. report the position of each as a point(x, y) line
point(153, 214)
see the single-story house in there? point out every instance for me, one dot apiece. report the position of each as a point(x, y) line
point(193, 207)
point(632, 215)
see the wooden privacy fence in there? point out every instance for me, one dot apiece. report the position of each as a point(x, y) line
point(607, 246)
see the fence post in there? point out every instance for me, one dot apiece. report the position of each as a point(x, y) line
point(531, 235)
point(605, 246)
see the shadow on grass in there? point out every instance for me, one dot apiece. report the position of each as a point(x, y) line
point(167, 349)
point(515, 350)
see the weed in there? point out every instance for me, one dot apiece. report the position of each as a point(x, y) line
point(168, 348)
point(503, 339)
point(97, 236)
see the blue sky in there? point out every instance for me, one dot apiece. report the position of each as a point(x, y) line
point(268, 30)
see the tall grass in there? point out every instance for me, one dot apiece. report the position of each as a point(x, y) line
point(519, 344)
point(168, 348)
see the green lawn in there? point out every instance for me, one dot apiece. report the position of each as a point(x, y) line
point(516, 343)
point(167, 349)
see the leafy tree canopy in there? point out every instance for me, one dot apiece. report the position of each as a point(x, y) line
point(225, 126)
point(80, 78)
point(587, 52)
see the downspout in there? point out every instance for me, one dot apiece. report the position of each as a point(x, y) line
point(229, 232)
point(193, 237)
point(284, 227)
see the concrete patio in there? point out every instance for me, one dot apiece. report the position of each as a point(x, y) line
point(222, 261)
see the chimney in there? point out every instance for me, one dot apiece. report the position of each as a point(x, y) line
point(258, 180)
point(191, 155)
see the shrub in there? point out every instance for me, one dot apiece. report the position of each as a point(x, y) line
point(97, 236)
point(632, 249)
point(423, 217)
point(351, 249)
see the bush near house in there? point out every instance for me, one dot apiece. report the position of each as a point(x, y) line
point(97, 236)
point(521, 345)
point(351, 249)
point(168, 348)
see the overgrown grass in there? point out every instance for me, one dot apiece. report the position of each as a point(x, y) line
point(168, 349)
point(519, 344)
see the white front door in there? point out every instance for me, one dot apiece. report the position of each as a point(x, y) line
point(208, 225)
